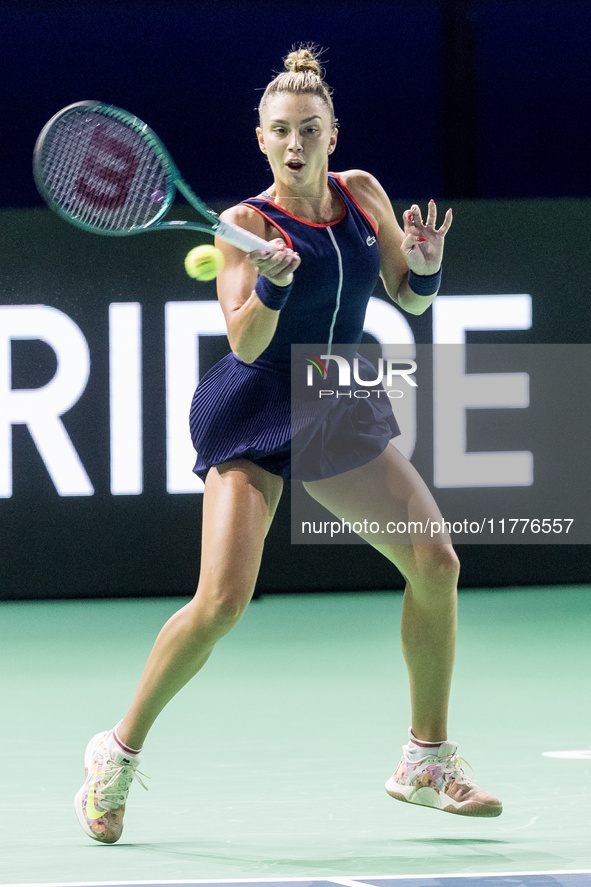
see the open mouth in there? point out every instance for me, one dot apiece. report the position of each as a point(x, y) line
point(294, 164)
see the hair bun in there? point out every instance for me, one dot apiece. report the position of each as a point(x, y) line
point(304, 59)
point(303, 75)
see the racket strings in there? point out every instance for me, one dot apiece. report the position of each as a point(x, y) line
point(148, 189)
point(103, 173)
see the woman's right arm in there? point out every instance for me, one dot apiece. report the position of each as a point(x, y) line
point(251, 325)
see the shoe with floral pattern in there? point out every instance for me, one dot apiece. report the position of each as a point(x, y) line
point(438, 780)
point(100, 803)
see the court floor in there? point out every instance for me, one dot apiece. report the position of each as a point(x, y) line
point(269, 768)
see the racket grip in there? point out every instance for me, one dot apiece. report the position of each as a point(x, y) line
point(241, 239)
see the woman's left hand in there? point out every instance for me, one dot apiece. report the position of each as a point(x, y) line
point(422, 246)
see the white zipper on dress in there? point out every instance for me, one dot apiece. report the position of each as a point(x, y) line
point(339, 288)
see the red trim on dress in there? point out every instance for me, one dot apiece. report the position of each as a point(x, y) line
point(315, 224)
point(270, 220)
point(303, 221)
point(348, 193)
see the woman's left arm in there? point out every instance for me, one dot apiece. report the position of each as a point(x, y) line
point(418, 248)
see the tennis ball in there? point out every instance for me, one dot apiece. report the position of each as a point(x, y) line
point(204, 262)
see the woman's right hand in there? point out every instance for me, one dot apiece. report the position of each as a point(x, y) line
point(279, 266)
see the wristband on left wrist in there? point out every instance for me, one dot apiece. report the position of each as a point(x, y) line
point(424, 284)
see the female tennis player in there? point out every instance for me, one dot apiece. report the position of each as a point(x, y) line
point(332, 236)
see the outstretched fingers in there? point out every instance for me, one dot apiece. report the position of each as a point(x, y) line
point(446, 222)
point(414, 225)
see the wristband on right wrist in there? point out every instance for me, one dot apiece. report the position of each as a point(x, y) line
point(271, 294)
point(424, 284)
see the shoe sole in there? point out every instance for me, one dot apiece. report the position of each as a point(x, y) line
point(428, 797)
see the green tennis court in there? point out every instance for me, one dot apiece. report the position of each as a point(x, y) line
point(271, 764)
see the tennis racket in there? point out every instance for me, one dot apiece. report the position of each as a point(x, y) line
point(105, 171)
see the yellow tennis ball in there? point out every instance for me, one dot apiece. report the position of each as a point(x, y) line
point(204, 262)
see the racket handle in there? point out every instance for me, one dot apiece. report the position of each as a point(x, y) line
point(240, 238)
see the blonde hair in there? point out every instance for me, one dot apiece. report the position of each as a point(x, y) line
point(303, 75)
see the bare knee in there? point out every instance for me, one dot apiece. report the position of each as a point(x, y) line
point(216, 611)
point(436, 566)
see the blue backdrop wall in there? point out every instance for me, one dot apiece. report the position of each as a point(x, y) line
point(454, 98)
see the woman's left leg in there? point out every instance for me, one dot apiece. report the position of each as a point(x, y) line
point(389, 490)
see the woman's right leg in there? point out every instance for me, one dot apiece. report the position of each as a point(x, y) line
point(239, 503)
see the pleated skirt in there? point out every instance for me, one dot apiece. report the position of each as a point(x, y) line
point(243, 411)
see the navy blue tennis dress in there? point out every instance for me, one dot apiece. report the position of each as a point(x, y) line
point(245, 411)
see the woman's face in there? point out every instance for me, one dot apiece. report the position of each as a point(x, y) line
point(297, 135)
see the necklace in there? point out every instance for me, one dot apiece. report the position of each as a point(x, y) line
point(302, 197)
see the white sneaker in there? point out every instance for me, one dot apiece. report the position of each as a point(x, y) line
point(100, 803)
point(437, 780)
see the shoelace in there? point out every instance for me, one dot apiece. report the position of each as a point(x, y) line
point(113, 794)
point(456, 771)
